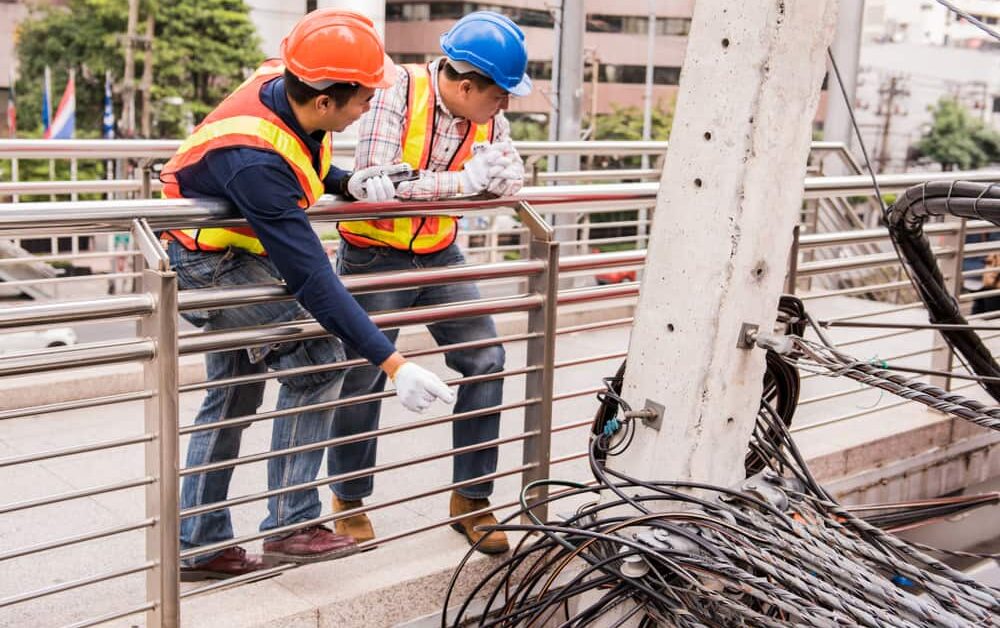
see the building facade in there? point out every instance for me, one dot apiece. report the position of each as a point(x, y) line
point(614, 45)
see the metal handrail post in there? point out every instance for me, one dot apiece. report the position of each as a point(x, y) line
point(540, 351)
point(162, 419)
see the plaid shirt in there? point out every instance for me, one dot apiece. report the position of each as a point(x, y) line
point(380, 139)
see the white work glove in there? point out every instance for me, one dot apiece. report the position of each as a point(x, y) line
point(506, 176)
point(417, 387)
point(476, 171)
point(373, 184)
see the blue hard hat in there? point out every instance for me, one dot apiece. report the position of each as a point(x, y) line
point(493, 44)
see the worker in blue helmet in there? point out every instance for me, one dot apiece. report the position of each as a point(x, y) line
point(445, 119)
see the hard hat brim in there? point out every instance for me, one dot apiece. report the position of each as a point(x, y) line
point(523, 88)
point(389, 75)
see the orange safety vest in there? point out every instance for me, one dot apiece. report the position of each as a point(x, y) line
point(242, 120)
point(420, 234)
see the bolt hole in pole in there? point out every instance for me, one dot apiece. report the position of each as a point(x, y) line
point(708, 136)
point(725, 42)
point(697, 183)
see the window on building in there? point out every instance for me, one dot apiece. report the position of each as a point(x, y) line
point(996, 104)
point(412, 57)
point(637, 25)
point(423, 11)
point(540, 70)
point(310, 5)
point(673, 26)
point(632, 74)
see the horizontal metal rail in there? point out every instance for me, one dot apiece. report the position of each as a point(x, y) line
point(63, 406)
point(164, 149)
point(77, 356)
point(80, 310)
point(73, 451)
point(80, 494)
point(85, 216)
point(207, 298)
point(214, 547)
point(74, 540)
point(96, 621)
point(341, 440)
point(75, 584)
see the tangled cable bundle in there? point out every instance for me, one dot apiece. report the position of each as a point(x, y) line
point(775, 551)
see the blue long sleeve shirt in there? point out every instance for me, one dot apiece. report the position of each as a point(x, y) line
point(266, 192)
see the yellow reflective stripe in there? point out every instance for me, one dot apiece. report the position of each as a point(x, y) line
point(368, 230)
point(419, 112)
point(325, 156)
point(426, 240)
point(285, 144)
point(482, 133)
point(221, 238)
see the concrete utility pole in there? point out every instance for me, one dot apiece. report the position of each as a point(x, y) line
point(128, 84)
point(846, 49)
point(647, 95)
point(569, 97)
point(147, 74)
point(729, 198)
point(888, 108)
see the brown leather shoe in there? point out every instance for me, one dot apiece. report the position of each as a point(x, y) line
point(358, 527)
point(495, 542)
point(233, 561)
point(309, 545)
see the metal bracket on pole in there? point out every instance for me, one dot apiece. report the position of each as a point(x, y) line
point(748, 336)
point(149, 244)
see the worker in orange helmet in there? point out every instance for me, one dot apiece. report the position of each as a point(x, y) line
point(444, 119)
point(267, 149)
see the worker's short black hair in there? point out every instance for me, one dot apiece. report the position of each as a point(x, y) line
point(481, 81)
point(299, 92)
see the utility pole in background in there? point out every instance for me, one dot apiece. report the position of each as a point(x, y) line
point(128, 80)
point(846, 50)
point(569, 94)
point(147, 72)
point(647, 95)
point(888, 108)
point(728, 200)
point(647, 117)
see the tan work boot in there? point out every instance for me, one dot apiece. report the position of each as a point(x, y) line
point(495, 542)
point(358, 527)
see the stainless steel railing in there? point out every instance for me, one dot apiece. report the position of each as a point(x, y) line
point(542, 442)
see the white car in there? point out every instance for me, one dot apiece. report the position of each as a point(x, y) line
point(37, 339)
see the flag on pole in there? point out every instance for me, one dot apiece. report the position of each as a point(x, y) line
point(64, 122)
point(11, 108)
point(47, 101)
point(108, 121)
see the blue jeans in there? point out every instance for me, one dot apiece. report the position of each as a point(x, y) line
point(361, 380)
point(236, 267)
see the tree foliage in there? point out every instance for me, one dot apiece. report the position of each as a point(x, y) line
point(202, 49)
point(957, 140)
point(625, 123)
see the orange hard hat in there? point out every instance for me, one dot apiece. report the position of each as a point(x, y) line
point(330, 46)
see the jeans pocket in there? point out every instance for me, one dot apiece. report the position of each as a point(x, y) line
point(355, 259)
point(315, 352)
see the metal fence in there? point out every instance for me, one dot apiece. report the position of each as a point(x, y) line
point(544, 420)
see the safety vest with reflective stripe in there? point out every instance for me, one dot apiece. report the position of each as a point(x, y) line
point(420, 234)
point(242, 120)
